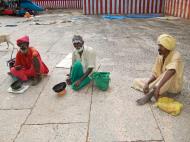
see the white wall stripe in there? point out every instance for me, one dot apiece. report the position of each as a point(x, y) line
point(83, 7)
point(133, 8)
point(122, 7)
point(183, 9)
point(137, 6)
point(129, 7)
point(87, 6)
point(91, 6)
point(125, 7)
point(154, 9)
point(179, 9)
point(113, 3)
point(117, 6)
point(187, 9)
point(146, 3)
point(98, 6)
point(103, 5)
point(108, 6)
point(150, 6)
point(95, 1)
point(141, 6)
point(175, 7)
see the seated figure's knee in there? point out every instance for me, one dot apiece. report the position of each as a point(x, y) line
point(12, 70)
point(77, 64)
point(36, 63)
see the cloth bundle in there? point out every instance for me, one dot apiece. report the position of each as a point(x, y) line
point(169, 105)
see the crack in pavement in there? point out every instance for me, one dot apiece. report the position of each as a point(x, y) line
point(16, 109)
point(157, 122)
point(31, 110)
point(58, 123)
point(141, 141)
point(87, 135)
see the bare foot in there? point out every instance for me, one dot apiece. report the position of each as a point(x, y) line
point(36, 80)
point(143, 100)
point(146, 98)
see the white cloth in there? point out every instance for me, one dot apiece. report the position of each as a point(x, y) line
point(19, 91)
point(66, 62)
point(88, 58)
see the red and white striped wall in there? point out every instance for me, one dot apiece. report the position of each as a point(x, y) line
point(179, 8)
point(73, 4)
point(122, 6)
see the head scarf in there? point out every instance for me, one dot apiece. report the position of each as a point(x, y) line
point(167, 41)
point(77, 39)
point(23, 39)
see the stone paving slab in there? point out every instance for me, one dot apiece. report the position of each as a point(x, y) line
point(127, 49)
point(116, 117)
point(74, 132)
point(175, 128)
point(4, 57)
point(51, 60)
point(73, 107)
point(64, 44)
point(10, 123)
point(28, 98)
point(46, 42)
point(19, 101)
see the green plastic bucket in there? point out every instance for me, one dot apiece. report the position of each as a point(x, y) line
point(101, 80)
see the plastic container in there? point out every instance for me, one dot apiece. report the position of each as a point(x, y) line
point(101, 80)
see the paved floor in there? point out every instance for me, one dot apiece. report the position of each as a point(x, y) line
point(126, 48)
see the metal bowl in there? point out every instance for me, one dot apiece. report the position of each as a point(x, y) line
point(59, 87)
point(16, 85)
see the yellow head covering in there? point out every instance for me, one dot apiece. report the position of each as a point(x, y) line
point(167, 41)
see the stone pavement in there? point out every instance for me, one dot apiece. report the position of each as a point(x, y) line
point(126, 48)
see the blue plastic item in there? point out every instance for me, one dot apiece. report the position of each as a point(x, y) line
point(111, 17)
point(143, 16)
point(31, 6)
point(21, 12)
point(135, 16)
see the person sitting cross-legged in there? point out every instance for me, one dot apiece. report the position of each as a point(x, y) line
point(28, 63)
point(167, 72)
point(83, 64)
